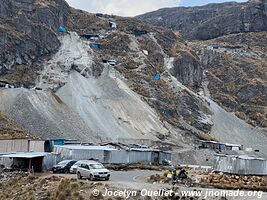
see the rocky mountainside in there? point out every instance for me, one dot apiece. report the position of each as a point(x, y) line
point(45, 58)
point(236, 74)
point(152, 94)
point(212, 20)
point(236, 69)
point(27, 33)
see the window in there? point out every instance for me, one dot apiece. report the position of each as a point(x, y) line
point(97, 166)
point(85, 166)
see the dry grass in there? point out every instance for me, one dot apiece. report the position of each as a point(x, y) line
point(224, 181)
point(22, 74)
point(205, 136)
point(239, 83)
point(9, 130)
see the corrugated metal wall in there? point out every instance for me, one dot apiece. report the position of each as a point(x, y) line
point(21, 145)
point(50, 160)
point(88, 154)
point(111, 156)
point(235, 165)
point(7, 162)
point(37, 146)
point(140, 156)
point(9, 146)
point(164, 156)
point(118, 157)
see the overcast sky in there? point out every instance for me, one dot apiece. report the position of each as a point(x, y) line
point(134, 7)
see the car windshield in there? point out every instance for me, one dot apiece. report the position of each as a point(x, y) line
point(64, 162)
point(97, 166)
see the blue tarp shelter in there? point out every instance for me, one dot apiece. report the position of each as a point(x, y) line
point(95, 46)
point(61, 29)
point(156, 76)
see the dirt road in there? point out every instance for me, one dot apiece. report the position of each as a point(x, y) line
point(135, 180)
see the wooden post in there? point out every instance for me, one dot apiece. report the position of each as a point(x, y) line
point(30, 164)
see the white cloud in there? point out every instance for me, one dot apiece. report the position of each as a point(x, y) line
point(122, 7)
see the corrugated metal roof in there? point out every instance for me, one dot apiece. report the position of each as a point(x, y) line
point(245, 157)
point(82, 147)
point(148, 150)
point(227, 144)
point(25, 155)
point(143, 149)
point(232, 145)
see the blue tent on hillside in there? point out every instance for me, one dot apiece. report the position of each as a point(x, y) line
point(61, 29)
point(156, 76)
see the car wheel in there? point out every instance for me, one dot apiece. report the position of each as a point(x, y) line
point(66, 171)
point(107, 178)
point(79, 176)
point(91, 177)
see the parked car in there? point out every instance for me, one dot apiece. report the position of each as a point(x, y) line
point(73, 168)
point(92, 170)
point(63, 166)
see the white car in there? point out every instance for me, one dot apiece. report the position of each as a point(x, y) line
point(73, 168)
point(92, 170)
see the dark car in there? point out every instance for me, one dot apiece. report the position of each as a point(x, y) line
point(63, 166)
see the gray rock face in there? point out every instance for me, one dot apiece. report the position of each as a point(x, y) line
point(212, 20)
point(28, 31)
point(188, 70)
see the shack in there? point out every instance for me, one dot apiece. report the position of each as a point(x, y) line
point(5, 84)
point(219, 145)
point(112, 24)
point(210, 145)
point(138, 33)
point(28, 161)
point(110, 62)
point(95, 46)
point(90, 36)
point(147, 155)
point(84, 152)
point(240, 165)
point(21, 145)
point(213, 46)
point(234, 147)
point(50, 143)
point(109, 154)
point(99, 15)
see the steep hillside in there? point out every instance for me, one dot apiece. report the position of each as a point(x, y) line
point(212, 20)
point(100, 102)
point(148, 95)
point(28, 32)
point(237, 74)
point(8, 129)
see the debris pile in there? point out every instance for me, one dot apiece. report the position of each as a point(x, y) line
point(225, 181)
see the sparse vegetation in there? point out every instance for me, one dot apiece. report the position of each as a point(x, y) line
point(233, 182)
point(9, 130)
point(237, 76)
